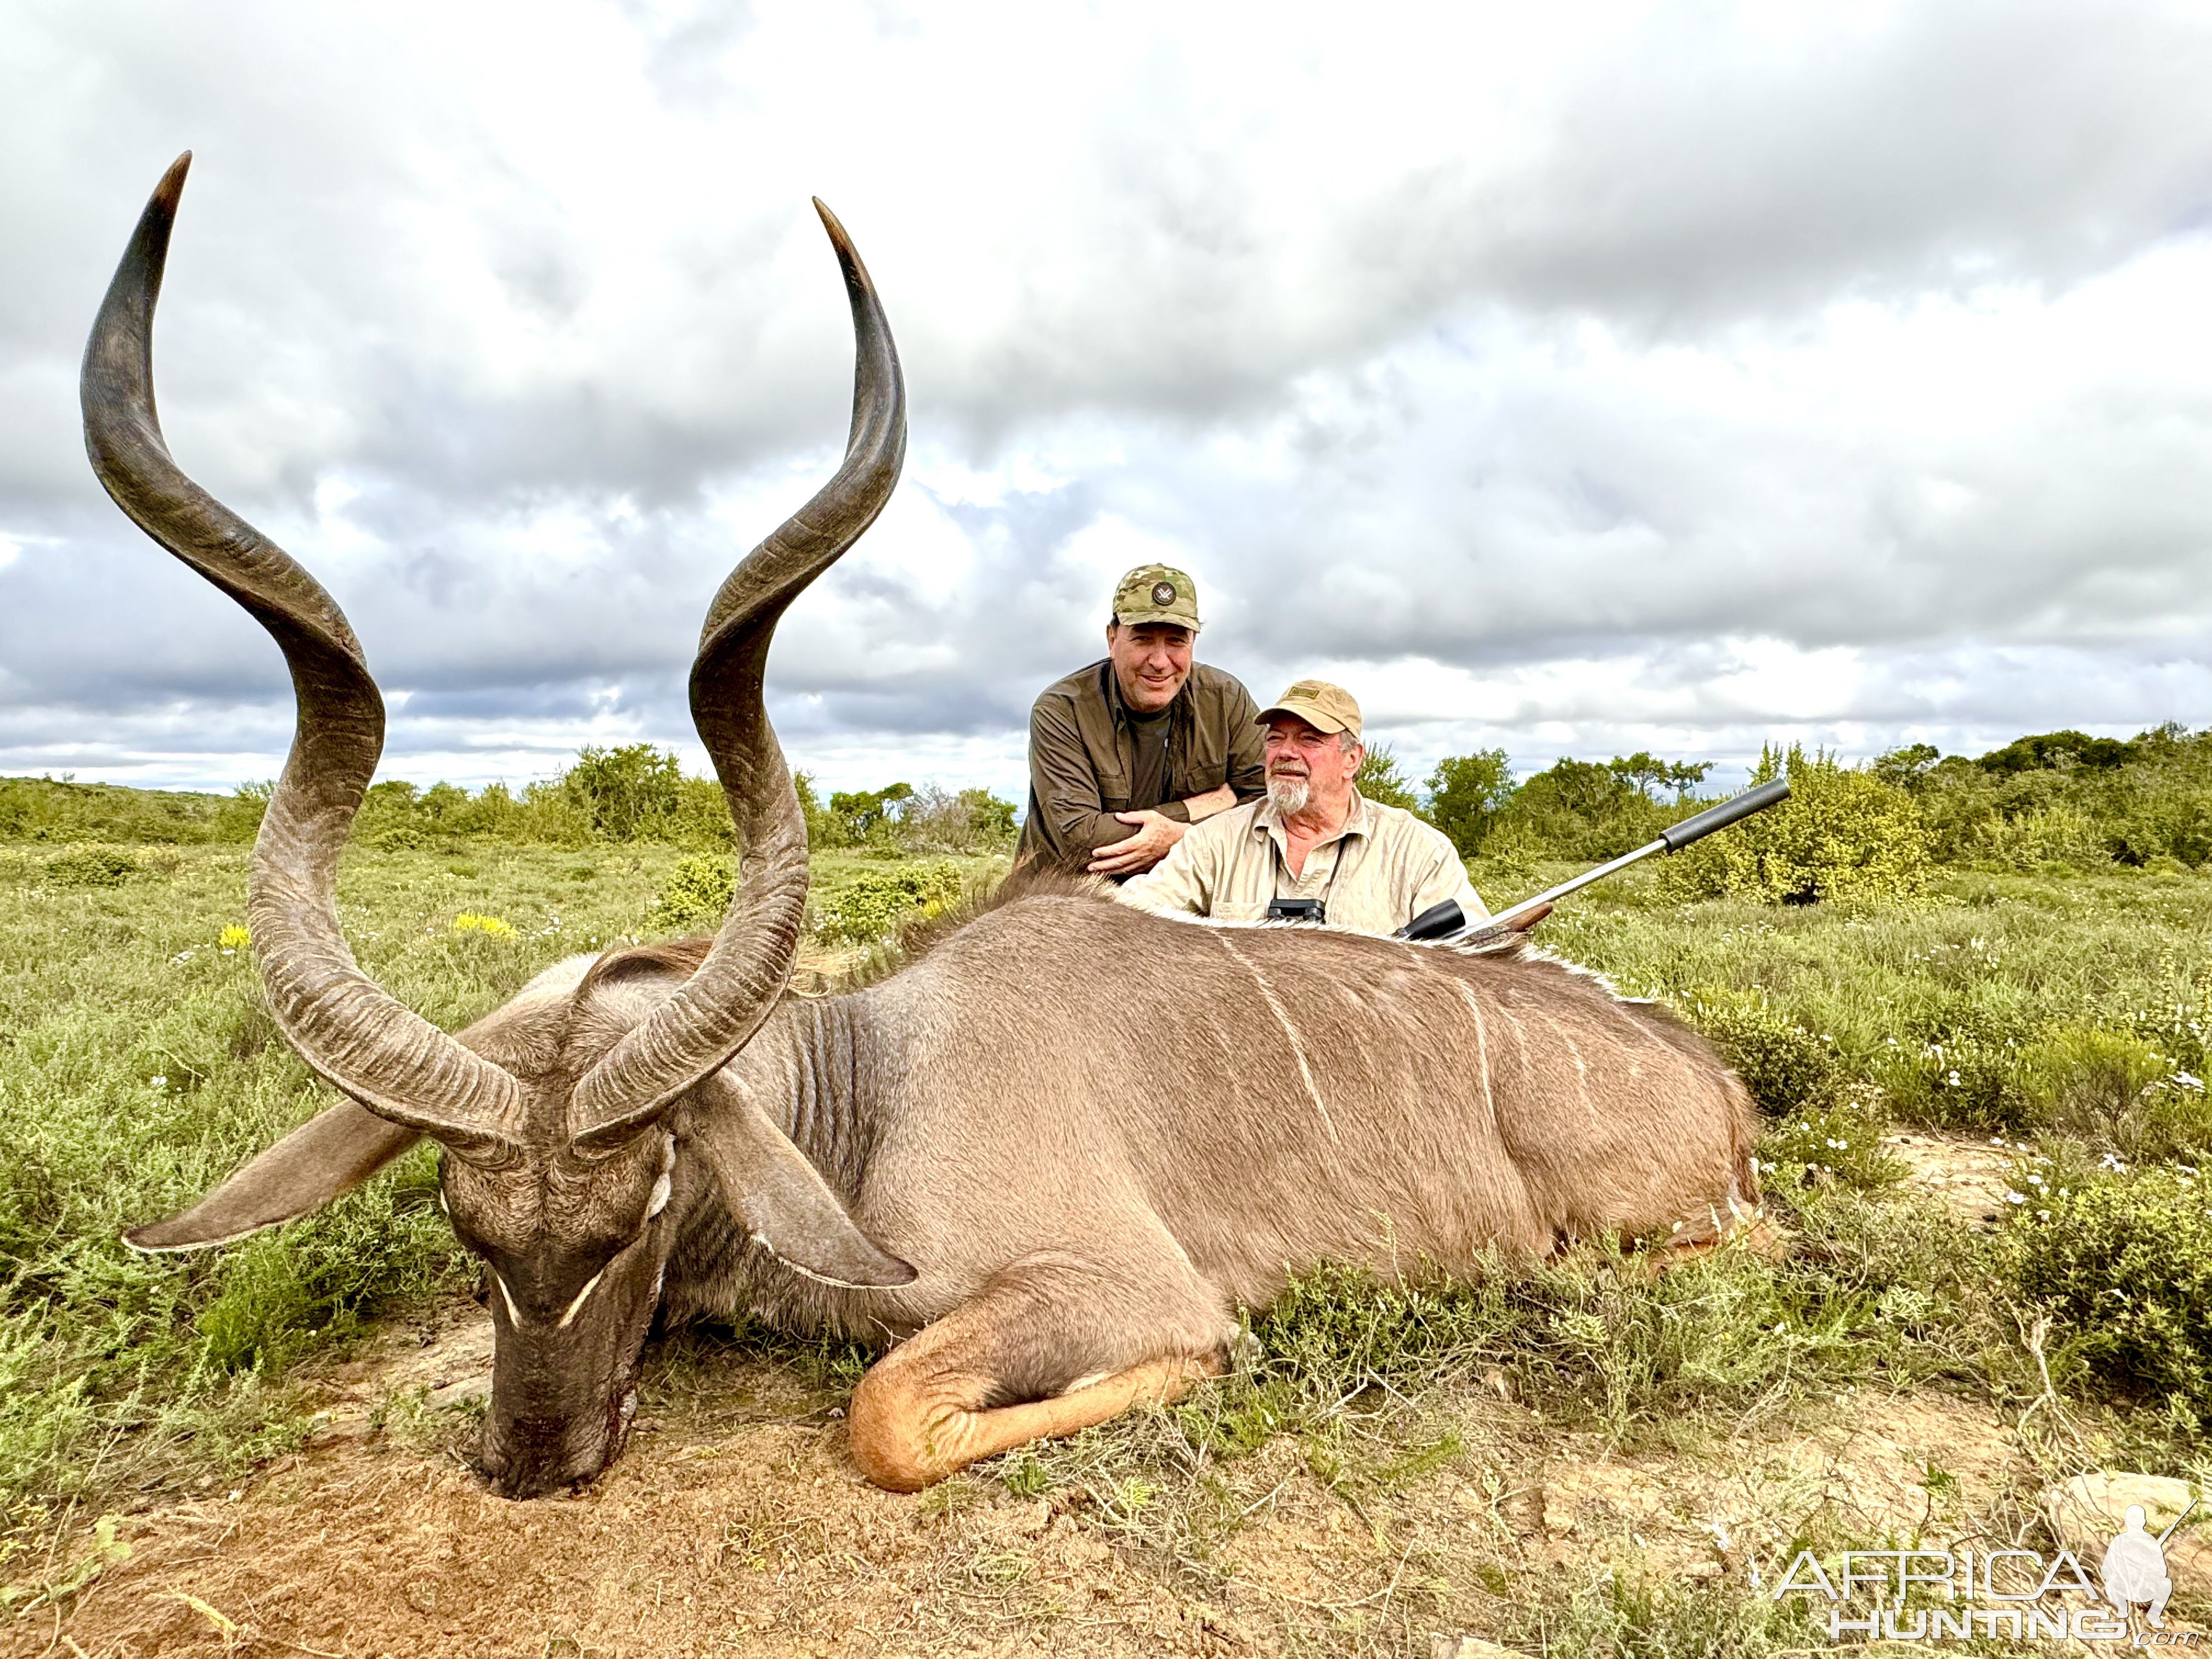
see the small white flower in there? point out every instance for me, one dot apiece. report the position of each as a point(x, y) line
point(159, 1082)
point(2015, 1198)
point(1780, 1326)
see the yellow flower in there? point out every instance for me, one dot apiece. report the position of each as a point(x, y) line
point(234, 938)
point(469, 922)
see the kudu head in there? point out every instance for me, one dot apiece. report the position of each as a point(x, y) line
point(562, 1120)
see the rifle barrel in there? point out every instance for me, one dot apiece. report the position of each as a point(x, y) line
point(1673, 839)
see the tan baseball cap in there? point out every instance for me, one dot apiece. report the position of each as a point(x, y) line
point(1157, 593)
point(1323, 707)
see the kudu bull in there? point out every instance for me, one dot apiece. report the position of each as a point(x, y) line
point(1047, 1162)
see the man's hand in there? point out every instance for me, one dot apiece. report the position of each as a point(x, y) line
point(1154, 837)
point(1220, 799)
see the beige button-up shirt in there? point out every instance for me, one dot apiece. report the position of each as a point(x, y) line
point(1375, 875)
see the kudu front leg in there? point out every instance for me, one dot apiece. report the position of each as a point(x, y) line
point(927, 1409)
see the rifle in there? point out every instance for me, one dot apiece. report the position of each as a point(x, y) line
point(1448, 923)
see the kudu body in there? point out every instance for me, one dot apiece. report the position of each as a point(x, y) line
point(1049, 1161)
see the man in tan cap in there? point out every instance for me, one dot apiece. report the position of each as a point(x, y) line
point(1313, 837)
point(1127, 754)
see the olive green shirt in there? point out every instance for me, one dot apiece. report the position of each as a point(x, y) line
point(1083, 758)
point(1375, 875)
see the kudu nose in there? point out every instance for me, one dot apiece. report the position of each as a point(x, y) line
point(529, 1457)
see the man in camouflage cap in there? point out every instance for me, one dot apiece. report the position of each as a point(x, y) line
point(1127, 754)
point(1314, 836)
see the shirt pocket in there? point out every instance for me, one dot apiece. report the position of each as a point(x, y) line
point(1204, 764)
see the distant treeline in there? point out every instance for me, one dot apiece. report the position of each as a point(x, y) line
point(2058, 799)
point(636, 792)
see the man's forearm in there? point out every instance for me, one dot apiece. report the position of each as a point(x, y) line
point(1200, 807)
point(1097, 829)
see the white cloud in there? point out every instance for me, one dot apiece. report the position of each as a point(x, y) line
point(1645, 376)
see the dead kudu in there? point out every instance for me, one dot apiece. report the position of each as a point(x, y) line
point(1049, 1161)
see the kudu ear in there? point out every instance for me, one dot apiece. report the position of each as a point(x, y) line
point(327, 1156)
point(779, 1197)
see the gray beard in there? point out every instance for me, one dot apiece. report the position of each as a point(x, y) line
point(1290, 795)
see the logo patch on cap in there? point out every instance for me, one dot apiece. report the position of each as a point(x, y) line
point(1163, 594)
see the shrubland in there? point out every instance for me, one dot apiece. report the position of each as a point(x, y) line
point(136, 1068)
point(1867, 965)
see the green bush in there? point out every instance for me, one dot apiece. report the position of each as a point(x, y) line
point(1783, 1065)
point(2061, 835)
point(92, 866)
point(2065, 799)
point(869, 815)
point(1843, 835)
point(2126, 1261)
point(1961, 1064)
point(697, 893)
point(1466, 794)
point(1580, 810)
point(638, 792)
point(872, 904)
point(1840, 1143)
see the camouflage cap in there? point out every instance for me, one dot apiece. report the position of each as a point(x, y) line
point(1323, 707)
point(1157, 593)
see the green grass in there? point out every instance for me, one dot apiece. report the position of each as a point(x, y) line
point(2010, 1005)
point(136, 1070)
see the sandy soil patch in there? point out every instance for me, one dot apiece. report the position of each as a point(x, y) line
point(1968, 1177)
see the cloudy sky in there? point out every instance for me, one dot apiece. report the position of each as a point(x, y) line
point(1571, 380)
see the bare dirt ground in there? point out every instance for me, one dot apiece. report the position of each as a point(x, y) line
point(734, 1523)
point(1967, 1174)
